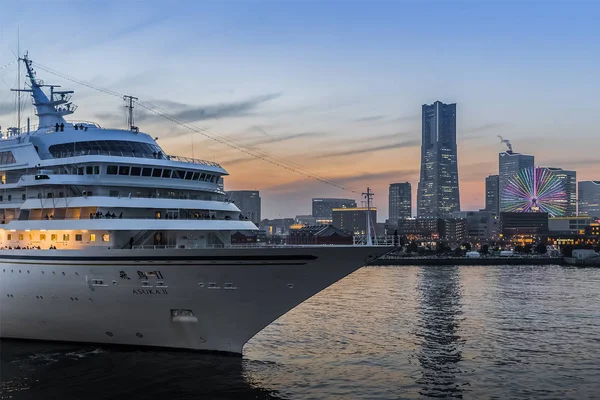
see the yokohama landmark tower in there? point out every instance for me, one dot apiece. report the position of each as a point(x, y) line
point(438, 194)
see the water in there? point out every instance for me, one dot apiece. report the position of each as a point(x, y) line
point(382, 333)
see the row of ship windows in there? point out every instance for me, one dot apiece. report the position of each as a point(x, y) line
point(160, 173)
point(54, 237)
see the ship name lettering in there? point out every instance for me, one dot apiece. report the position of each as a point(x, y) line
point(150, 291)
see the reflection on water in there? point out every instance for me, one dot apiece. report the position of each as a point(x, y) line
point(38, 370)
point(382, 333)
point(440, 310)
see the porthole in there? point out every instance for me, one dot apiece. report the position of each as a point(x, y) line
point(109, 334)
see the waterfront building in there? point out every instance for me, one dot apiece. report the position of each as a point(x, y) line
point(492, 194)
point(248, 201)
point(354, 219)
point(419, 227)
point(320, 234)
point(306, 220)
point(452, 230)
point(438, 192)
point(589, 198)
point(278, 226)
point(509, 165)
point(568, 180)
point(481, 225)
point(574, 225)
point(322, 207)
point(520, 223)
point(400, 202)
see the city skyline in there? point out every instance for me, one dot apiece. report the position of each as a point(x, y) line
point(341, 99)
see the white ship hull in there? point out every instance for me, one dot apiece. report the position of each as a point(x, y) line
point(127, 296)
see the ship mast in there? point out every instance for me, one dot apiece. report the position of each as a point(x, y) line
point(129, 105)
point(18, 80)
point(50, 111)
point(368, 194)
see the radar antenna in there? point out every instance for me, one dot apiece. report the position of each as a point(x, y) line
point(129, 100)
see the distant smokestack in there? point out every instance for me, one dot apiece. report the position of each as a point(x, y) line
point(507, 143)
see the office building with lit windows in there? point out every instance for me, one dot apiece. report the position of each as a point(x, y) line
point(322, 207)
point(400, 202)
point(589, 198)
point(438, 193)
point(492, 194)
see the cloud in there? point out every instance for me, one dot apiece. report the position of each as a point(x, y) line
point(188, 113)
point(303, 185)
point(407, 118)
point(213, 111)
point(575, 163)
point(371, 118)
point(277, 139)
point(128, 30)
point(363, 150)
point(236, 161)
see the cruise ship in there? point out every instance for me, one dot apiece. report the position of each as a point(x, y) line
point(105, 238)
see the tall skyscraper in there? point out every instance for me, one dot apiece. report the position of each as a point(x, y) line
point(400, 202)
point(510, 163)
point(321, 207)
point(492, 194)
point(438, 194)
point(248, 201)
point(589, 198)
point(569, 183)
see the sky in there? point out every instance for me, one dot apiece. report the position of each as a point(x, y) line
point(331, 90)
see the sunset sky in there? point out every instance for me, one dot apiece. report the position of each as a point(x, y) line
point(335, 88)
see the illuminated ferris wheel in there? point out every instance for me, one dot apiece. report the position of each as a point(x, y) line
point(535, 190)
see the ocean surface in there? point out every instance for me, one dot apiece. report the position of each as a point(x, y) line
point(381, 333)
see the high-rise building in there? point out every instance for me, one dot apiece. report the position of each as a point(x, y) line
point(510, 164)
point(438, 194)
point(354, 219)
point(589, 198)
point(248, 201)
point(400, 202)
point(321, 207)
point(492, 194)
point(569, 184)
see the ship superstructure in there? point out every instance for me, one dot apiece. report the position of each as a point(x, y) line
point(106, 238)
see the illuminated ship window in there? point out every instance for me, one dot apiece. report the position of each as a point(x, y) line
point(6, 157)
point(106, 237)
point(92, 237)
point(119, 148)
